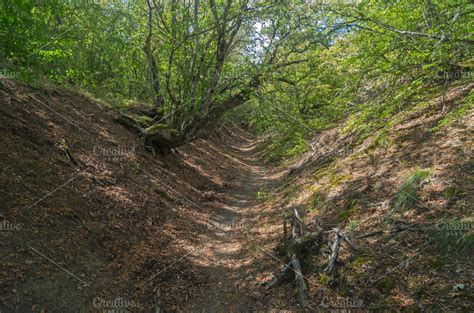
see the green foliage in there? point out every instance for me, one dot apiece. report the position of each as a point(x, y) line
point(376, 59)
point(353, 224)
point(262, 195)
point(324, 278)
point(144, 120)
point(364, 62)
point(457, 113)
point(352, 208)
point(93, 45)
point(386, 284)
point(408, 196)
point(316, 201)
point(293, 144)
point(358, 262)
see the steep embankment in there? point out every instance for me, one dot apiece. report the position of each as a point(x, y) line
point(90, 205)
point(404, 195)
point(91, 221)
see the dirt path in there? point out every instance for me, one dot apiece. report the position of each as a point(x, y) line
point(224, 252)
point(139, 223)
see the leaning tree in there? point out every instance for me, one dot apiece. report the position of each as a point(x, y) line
point(207, 57)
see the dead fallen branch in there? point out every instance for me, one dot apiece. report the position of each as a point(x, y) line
point(70, 156)
point(371, 234)
point(334, 251)
point(338, 238)
point(398, 229)
point(304, 239)
point(299, 279)
point(298, 231)
point(301, 242)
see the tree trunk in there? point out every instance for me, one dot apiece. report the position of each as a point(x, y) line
point(163, 140)
point(155, 82)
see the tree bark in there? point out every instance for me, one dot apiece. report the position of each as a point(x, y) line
point(164, 140)
point(152, 68)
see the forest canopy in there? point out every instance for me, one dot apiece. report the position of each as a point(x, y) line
point(292, 68)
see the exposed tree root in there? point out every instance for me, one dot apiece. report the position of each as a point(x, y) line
point(129, 123)
point(303, 242)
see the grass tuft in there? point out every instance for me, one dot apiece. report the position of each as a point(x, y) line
point(408, 195)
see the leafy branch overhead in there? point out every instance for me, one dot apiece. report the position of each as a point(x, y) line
point(216, 54)
point(293, 65)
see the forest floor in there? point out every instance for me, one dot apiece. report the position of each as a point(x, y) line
point(225, 252)
point(100, 223)
point(91, 221)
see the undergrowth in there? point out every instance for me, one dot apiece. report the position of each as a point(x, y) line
point(457, 113)
point(408, 196)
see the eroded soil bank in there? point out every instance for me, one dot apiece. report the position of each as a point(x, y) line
point(85, 195)
point(92, 221)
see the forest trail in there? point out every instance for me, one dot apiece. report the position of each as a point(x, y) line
point(141, 223)
point(203, 227)
point(224, 251)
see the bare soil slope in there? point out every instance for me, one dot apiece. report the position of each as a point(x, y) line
point(91, 221)
point(404, 197)
point(144, 231)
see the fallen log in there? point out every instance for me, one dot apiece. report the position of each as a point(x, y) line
point(302, 243)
